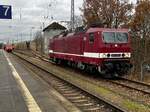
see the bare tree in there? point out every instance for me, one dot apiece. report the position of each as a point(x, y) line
point(112, 13)
point(141, 20)
point(78, 21)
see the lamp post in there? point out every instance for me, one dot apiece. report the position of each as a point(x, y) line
point(72, 15)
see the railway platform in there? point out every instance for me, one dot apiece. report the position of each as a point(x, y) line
point(21, 91)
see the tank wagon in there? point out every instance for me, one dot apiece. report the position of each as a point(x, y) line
point(107, 51)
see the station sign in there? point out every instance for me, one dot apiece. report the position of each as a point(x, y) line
point(5, 12)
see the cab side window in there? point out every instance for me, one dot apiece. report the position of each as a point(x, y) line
point(91, 38)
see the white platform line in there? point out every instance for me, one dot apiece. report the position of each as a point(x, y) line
point(29, 100)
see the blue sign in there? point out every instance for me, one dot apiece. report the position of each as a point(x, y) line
point(5, 12)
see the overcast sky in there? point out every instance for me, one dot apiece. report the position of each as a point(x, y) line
point(30, 14)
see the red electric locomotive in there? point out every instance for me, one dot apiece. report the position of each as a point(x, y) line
point(8, 47)
point(106, 50)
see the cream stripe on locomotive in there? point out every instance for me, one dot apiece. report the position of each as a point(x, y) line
point(98, 55)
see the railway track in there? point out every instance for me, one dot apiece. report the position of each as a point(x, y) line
point(135, 85)
point(131, 84)
point(133, 90)
point(33, 54)
point(84, 100)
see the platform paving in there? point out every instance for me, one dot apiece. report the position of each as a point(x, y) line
point(11, 97)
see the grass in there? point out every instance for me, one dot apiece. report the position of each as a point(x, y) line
point(135, 107)
point(109, 95)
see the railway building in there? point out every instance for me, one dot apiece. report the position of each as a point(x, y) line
point(50, 31)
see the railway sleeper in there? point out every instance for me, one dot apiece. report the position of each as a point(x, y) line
point(68, 92)
point(85, 104)
point(92, 109)
point(80, 101)
point(71, 94)
point(63, 88)
point(76, 97)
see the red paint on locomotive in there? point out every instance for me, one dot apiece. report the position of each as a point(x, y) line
point(8, 47)
point(107, 50)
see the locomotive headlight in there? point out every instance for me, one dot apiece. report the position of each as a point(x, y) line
point(127, 55)
point(103, 55)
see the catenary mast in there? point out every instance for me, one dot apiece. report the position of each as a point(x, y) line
point(72, 15)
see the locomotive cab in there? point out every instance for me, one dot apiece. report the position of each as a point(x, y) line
point(111, 49)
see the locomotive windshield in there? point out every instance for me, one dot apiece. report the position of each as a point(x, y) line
point(115, 37)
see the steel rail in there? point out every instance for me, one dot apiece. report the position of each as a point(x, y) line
point(118, 82)
point(131, 84)
point(109, 104)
